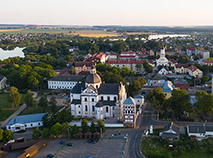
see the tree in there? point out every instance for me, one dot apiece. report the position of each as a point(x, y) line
point(101, 126)
point(14, 97)
point(148, 68)
point(1, 134)
point(84, 126)
point(63, 116)
point(179, 102)
point(29, 99)
point(43, 103)
point(74, 130)
point(36, 133)
point(204, 103)
point(53, 104)
point(57, 129)
point(157, 98)
point(72, 70)
point(184, 59)
point(92, 127)
point(7, 135)
point(66, 127)
point(46, 132)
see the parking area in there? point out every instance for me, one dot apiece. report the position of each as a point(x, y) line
point(109, 145)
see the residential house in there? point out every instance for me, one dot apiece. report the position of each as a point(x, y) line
point(98, 57)
point(23, 122)
point(181, 68)
point(112, 56)
point(129, 112)
point(181, 83)
point(195, 72)
point(172, 131)
point(206, 54)
point(82, 66)
point(64, 81)
point(200, 131)
point(208, 62)
point(3, 82)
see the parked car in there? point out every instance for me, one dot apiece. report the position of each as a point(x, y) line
point(70, 144)
point(50, 155)
point(62, 142)
point(95, 141)
point(90, 140)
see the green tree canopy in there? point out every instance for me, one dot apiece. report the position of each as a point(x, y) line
point(57, 129)
point(14, 97)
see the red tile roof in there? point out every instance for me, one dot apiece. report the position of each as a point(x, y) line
point(126, 62)
point(129, 56)
point(193, 68)
point(182, 65)
point(208, 60)
point(191, 48)
point(81, 64)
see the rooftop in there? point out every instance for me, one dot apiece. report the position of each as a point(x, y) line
point(22, 119)
point(129, 101)
point(67, 78)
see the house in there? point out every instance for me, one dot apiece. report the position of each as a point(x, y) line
point(172, 131)
point(155, 83)
point(82, 66)
point(94, 99)
point(23, 122)
point(3, 81)
point(200, 131)
point(181, 83)
point(163, 70)
point(129, 55)
point(134, 65)
point(129, 112)
point(112, 56)
point(206, 54)
point(195, 72)
point(64, 81)
point(208, 62)
point(168, 87)
point(100, 57)
point(190, 51)
point(181, 68)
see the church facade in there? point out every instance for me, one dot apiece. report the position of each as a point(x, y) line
point(94, 99)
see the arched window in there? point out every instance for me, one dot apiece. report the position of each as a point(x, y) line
point(86, 109)
point(107, 109)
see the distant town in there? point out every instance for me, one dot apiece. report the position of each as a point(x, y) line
point(85, 92)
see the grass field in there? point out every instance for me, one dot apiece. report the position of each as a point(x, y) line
point(6, 109)
point(83, 33)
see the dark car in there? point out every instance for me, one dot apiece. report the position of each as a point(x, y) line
point(95, 141)
point(50, 155)
point(62, 142)
point(90, 140)
point(70, 144)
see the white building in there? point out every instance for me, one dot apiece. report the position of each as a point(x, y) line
point(206, 54)
point(23, 122)
point(112, 56)
point(95, 99)
point(208, 62)
point(64, 81)
point(200, 131)
point(139, 99)
point(3, 81)
point(195, 72)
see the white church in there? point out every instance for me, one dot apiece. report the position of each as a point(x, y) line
point(94, 99)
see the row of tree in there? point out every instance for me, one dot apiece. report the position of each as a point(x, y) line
point(179, 106)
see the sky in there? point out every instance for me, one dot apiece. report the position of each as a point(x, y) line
point(107, 12)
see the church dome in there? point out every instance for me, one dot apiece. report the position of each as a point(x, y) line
point(93, 77)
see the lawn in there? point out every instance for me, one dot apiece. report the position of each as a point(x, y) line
point(6, 109)
point(184, 148)
point(35, 110)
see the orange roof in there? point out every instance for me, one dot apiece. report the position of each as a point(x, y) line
point(193, 68)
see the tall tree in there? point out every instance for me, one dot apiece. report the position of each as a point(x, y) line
point(101, 126)
point(57, 129)
point(36, 133)
point(29, 99)
point(53, 104)
point(43, 102)
point(148, 68)
point(84, 126)
point(1, 134)
point(8, 135)
point(92, 127)
point(14, 97)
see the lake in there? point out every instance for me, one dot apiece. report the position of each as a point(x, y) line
point(166, 35)
point(5, 54)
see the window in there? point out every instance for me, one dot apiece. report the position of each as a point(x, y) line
point(114, 98)
point(93, 99)
point(39, 124)
point(107, 109)
point(86, 108)
point(79, 106)
point(31, 124)
point(108, 98)
point(79, 112)
point(102, 98)
point(85, 99)
point(93, 108)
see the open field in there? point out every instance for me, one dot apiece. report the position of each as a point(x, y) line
point(83, 33)
point(6, 109)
